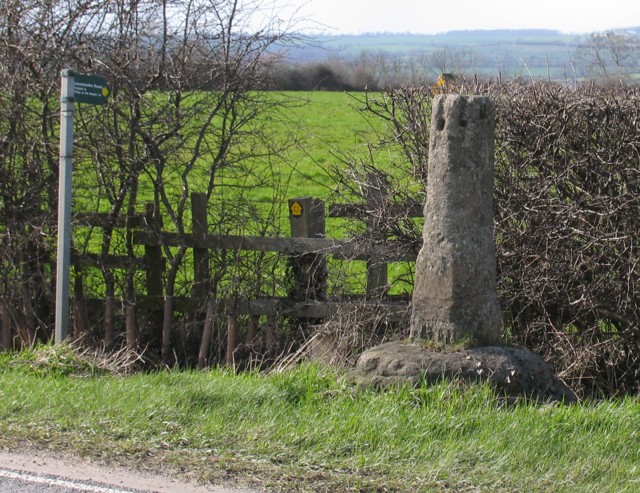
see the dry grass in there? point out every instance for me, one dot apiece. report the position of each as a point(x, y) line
point(77, 359)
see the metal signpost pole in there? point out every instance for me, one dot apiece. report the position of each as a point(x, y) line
point(64, 205)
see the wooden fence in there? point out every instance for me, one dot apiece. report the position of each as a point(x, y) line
point(308, 248)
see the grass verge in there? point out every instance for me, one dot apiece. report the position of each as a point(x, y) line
point(307, 430)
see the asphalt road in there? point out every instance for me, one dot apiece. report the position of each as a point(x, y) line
point(23, 482)
point(37, 473)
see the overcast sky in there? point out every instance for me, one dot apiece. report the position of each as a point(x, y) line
point(435, 16)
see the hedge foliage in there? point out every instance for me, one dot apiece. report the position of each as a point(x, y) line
point(567, 202)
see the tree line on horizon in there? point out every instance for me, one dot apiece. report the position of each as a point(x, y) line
point(608, 57)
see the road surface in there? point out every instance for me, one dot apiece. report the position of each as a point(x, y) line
point(37, 473)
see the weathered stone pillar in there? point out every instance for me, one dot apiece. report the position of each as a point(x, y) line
point(454, 298)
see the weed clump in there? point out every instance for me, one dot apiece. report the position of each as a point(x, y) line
point(71, 360)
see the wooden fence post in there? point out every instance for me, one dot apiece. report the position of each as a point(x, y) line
point(377, 277)
point(109, 316)
point(232, 337)
point(307, 220)
point(154, 266)
point(252, 330)
point(131, 329)
point(80, 314)
point(201, 276)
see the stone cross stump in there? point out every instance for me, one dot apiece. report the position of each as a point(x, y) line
point(455, 303)
point(454, 297)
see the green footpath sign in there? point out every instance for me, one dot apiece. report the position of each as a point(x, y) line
point(91, 89)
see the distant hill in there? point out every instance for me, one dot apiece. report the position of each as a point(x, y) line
point(535, 52)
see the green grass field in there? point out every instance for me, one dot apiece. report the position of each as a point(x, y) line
point(316, 130)
point(322, 133)
point(307, 430)
point(324, 128)
point(331, 132)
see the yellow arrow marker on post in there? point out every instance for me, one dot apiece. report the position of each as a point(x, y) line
point(296, 209)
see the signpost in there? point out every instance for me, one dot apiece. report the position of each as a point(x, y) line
point(90, 89)
point(80, 88)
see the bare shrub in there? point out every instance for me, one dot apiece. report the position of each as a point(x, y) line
point(182, 117)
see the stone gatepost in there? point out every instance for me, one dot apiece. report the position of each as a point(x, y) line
point(454, 298)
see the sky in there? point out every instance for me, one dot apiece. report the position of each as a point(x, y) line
point(431, 16)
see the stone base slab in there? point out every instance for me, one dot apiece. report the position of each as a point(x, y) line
point(514, 372)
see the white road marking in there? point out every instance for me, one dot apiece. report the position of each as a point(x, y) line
point(60, 482)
